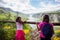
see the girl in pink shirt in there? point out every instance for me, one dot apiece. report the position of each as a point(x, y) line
point(20, 35)
point(40, 26)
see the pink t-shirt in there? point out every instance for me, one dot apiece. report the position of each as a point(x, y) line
point(40, 25)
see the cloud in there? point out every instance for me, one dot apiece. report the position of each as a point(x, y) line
point(24, 6)
point(49, 7)
point(57, 0)
point(19, 5)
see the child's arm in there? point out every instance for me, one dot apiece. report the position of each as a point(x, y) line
point(38, 27)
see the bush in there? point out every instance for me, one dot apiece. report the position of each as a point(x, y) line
point(57, 37)
point(58, 33)
point(2, 34)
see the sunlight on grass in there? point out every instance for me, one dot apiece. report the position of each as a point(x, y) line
point(7, 27)
point(26, 31)
point(57, 33)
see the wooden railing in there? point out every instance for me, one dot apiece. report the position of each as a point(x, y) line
point(55, 24)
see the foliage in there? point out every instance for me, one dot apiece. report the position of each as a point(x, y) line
point(26, 31)
point(27, 26)
point(56, 38)
point(27, 36)
point(2, 34)
point(57, 33)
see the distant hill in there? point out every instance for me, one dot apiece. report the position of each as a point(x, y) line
point(8, 11)
point(5, 13)
point(54, 16)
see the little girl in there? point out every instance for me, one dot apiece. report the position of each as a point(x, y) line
point(20, 35)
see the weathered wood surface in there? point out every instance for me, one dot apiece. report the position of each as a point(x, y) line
point(55, 24)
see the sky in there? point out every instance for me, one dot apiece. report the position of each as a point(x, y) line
point(31, 6)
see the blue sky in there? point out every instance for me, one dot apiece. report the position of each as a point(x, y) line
point(36, 3)
point(31, 6)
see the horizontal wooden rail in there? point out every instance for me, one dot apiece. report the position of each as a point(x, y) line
point(55, 24)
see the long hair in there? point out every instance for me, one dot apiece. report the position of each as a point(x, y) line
point(46, 18)
point(18, 19)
